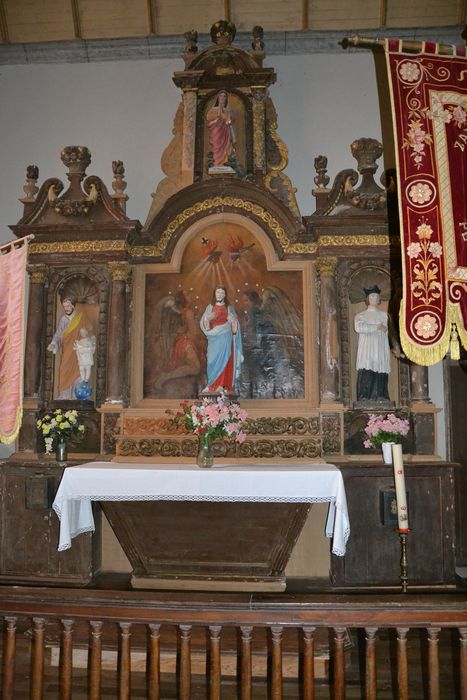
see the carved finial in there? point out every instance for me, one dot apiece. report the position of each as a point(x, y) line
point(30, 188)
point(76, 159)
point(191, 48)
point(368, 195)
point(321, 180)
point(366, 152)
point(223, 32)
point(119, 185)
point(257, 44)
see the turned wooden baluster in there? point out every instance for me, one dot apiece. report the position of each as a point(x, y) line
point(463, 661)
point(214, 662)
point(154, 663)
point(402, 668)
point(245, 663)
point(433, 662)
point(185, 662)
point(95, 660)
point(9, 651)
point(276, 671)
point(339, 667)
point(37, 658)
point(66, 660)
point(124, 670)
point(370, 663)
point(308, 663)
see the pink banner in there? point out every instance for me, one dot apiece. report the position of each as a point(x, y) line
point(12, 275)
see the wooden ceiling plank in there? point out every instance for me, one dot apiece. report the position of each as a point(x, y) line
point(3, 25)
point(383, 13)
point(76, 19)
point(305, 19)
point(152, 14)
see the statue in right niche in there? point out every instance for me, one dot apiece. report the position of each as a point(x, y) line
point(373, 351)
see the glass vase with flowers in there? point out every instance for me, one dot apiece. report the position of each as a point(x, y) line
point(211, 418)
point(57, 428)
point(385, 431)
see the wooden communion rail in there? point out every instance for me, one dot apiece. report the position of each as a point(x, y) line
point(39, 619)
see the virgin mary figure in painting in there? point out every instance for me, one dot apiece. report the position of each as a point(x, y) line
point(219, 323)
point(221, 132)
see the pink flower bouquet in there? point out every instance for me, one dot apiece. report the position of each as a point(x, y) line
point(381, 429)
point(212, 418)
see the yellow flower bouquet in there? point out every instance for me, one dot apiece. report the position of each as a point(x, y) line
point(59, 425)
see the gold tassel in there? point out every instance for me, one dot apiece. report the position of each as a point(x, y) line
point(454, 344)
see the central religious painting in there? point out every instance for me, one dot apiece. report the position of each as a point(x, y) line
point(225, 318)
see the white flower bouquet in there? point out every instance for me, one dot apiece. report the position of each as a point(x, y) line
point(59, 425)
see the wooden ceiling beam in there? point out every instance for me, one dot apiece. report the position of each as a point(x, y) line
point(152, 14)
point(227, 10)
point(383, 13)
point(3, 24)
point(305, 17)
point(76, 19)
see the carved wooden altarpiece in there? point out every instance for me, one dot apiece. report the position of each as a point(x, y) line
point(225, 213)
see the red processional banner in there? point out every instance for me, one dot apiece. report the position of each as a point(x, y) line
point(429, 105)
point(12, 276)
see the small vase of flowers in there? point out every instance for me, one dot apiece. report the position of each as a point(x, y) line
point(57, 428)
point(385, 431)
point(209, 419)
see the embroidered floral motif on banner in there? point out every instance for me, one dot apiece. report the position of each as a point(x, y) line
point(429, 103)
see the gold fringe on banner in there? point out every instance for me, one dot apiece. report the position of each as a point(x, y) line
point(8, 439)
point(417, 353)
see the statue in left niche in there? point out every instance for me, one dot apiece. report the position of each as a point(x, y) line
point(67, 335)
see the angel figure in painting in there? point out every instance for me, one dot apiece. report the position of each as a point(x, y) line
point(178, 356)
point(221, 131)
point(373, 351)
point(273, 346)
point(220, 325)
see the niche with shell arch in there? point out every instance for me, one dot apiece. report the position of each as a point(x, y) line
point(89, 288)
point(271, 298)
point(366, 277)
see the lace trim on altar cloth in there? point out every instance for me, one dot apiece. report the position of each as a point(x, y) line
point(211, 498)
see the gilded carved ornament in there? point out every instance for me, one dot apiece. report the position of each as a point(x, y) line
point(119, 271)
point(358, 240)
point(216, 203)
point(77, 247)
point(279, 425)
point(326, 266)
point(37, 275)
point(259, 449)
point(275, 172)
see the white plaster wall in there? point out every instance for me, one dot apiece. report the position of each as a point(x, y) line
point(124, 110)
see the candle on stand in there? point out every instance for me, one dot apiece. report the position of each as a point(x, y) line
point(401, 494)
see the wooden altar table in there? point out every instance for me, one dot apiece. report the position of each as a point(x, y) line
point(229, 523)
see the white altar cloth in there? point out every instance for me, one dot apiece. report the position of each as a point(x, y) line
point(113, 481)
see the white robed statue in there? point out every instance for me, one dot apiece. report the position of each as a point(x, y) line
point(220, 325)
point(373, 352)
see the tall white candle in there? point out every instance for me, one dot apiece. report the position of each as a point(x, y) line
point(401, 494)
